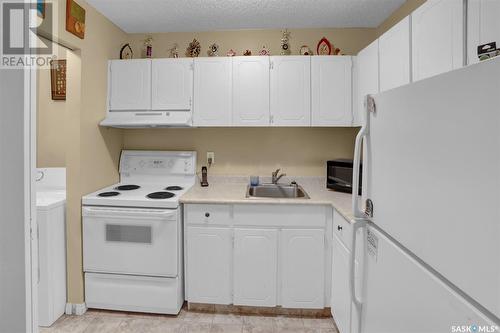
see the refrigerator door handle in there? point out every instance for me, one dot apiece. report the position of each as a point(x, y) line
point(358, 224)
point(369, 107)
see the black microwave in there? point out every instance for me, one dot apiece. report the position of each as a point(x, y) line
point(339, 175)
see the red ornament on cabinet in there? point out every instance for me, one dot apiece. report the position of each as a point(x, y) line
point(324, 47)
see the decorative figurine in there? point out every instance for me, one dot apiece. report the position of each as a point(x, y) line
point(231, 53)
point(213, 50)
point(126, 52)
point(305, 50)
point(193, 50)
point(264, 51)
point(324, 47)
point(148, 44)
point(247, 53)
point(174, 51)
point(285, 43)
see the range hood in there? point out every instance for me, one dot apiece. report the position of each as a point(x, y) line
point(147, 119)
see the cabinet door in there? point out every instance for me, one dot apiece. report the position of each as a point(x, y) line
point(251, 91)
point(212, 91)
point(255, 267)
point(209, 265)
point(341, 297)
point(483, 26)
point(394, 53)
point(331, 81)
point(172, 87)
point(129, 84)
point(291, 91)
point(437, 38)
point(367, 79)
point(302, 259)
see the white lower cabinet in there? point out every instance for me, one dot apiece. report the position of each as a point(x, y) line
point(258, 255)
point(341, 297)
point(255, 266)
point(209, 267)
point(302, 256)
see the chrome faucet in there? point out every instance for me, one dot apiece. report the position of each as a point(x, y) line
point(276, 177)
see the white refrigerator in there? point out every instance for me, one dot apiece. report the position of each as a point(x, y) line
point(429, 218)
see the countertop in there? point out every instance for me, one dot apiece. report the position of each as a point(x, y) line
point(232, 190)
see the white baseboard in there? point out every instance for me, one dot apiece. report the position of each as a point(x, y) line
point(76, 309)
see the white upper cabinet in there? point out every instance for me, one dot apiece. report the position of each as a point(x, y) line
point(394, 56)
point(437, 38)
point(129, 84)
point(208, 272)
point(251, 91)
point(172, 84)
point(212, 91)
point(366, 70)
point(483, 26)
point(302, 256)
point(331, 87)
point(255, 267)
point(291, 91)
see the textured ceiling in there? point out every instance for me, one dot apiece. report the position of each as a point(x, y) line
point(142, 16)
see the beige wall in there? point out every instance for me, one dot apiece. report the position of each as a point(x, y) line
point(51, 120)
point(403, 11)
point(350, 41)
point(246, 151)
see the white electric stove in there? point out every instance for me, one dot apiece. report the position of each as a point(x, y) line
point(132, 234)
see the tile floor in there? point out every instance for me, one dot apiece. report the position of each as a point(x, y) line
point(95, 321)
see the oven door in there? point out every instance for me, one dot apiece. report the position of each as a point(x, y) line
point(130, 241)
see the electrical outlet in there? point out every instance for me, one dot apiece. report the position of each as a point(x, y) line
point(210, 158)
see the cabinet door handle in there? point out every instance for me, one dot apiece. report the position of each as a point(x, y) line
point(339, 228)
point(207, 214)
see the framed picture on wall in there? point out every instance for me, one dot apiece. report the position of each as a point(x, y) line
point(75, 19)
point(58, 79)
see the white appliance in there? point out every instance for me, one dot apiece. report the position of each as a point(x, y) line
point(51, 221)
point(132, 234)
point(431, 226)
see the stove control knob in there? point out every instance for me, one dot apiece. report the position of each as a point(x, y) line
point(207, 214)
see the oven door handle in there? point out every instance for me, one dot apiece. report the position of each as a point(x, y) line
point(129, 213)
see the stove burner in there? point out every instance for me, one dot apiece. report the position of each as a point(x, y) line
point(174, 188)
point(108, 194)
point(127, 187)
point(160, 195)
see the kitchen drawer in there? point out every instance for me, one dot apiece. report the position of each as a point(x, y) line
point(133, 293)
point(343, 229)
point(208, 214)
point(301, 216)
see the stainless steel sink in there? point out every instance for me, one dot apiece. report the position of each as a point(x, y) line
point(276, 191)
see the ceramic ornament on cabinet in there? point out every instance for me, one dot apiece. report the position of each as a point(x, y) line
point(193, 49)
point(305, 50)
point(174, 51)
point(264, 51)
point(213, 50)
point(285, 43)
point(148, 44)
point(231, 53)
